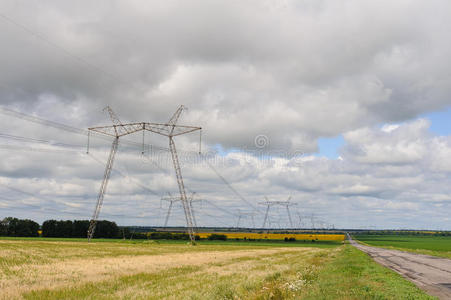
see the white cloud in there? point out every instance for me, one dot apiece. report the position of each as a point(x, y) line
point(292, 71)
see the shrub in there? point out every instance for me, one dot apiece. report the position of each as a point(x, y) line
point(215, 236)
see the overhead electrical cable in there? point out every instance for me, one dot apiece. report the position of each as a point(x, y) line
point(230, 186)
point(64, 50)
point(135, 181)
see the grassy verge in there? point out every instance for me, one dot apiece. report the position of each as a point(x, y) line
point(429, 245)
point(354, 275)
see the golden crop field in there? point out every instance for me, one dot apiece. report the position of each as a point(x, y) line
point(36, 269)
point(117, 269)
point(279, 236)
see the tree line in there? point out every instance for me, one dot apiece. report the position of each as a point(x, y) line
point(15, 227)
point(79, 229)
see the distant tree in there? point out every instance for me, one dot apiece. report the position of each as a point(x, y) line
point(49, 228)
point(17, 227)
point(161, 236)
point(4, 227)
point(124, 232)
point(215, 236)
point(65, 228)
point(106, 229)
point(80, 228)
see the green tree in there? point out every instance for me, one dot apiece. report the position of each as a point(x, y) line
point(18, 227)
point(49, 228)
point(80, 228)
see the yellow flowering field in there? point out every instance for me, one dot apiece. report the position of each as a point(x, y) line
point(278, 236)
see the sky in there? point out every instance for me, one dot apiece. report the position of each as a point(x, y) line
point(344, 106)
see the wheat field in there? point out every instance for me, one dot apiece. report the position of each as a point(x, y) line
point(69, 269)
point(116, 269)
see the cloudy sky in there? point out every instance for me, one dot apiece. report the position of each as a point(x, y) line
point(342, 105)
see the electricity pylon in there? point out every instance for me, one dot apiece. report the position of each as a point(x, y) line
point(269, 204)
point(117, 130)
point(172, 199)
point(241, 214)
point(312, 220)
point(300, 220)
point(171, 130)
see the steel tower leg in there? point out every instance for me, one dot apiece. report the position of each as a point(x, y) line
point(192, 213)
point(106, 177)
point(167, 215)
point(289, 217)
point(238, 222)
point(186, 206)
point(266, 216)
point(300, 220)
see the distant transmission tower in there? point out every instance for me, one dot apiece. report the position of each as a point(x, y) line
point(241, 214)
point(173, 199)
point(117, 130)
point(312, 220)
point(269, 204)
point(300, 219)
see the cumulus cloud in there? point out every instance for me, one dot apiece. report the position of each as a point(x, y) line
point(294, 72)
point(291, 71)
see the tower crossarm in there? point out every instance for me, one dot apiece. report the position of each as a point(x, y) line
point(159, 128)
point(283, 203)
point(119, 130)
point(170, 130)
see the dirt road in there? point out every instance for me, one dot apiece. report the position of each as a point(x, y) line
point(430, 273)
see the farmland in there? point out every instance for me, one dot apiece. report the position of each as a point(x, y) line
point(73, 269)
point(424, 244)
point(280, 236)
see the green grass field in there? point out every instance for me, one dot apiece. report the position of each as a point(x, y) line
point(431, 245)
point(117, 269)
point(266, 243)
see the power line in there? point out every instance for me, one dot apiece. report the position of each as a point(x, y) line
point(68, 128)
point(31, 194)
point(230, 186)
point(34, 149)
point(116, 170)
point(33, 140)
point(221, 208)
point(59, 47)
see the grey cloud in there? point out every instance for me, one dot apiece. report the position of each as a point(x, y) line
point(292, 71)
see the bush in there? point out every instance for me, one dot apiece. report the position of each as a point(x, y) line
point(215, 236)
point(171, 236)
point(161, 236)
point(138, 236)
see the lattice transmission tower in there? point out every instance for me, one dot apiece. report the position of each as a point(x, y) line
point(174, 199)
point(117, 130)
point(240, 214)
point(286, 204)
